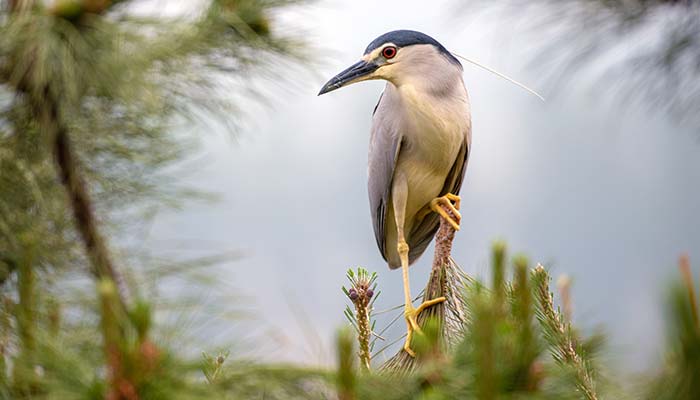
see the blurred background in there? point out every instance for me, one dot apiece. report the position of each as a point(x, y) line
point(586, 183)
point(236, 199)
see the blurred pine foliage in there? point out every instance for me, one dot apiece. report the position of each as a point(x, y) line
point(90, 98)
point(641, 53)
point(92, 95)
point(517, 344)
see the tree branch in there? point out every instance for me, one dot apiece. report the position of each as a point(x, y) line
point(79, 198)
point(558, 334)
point(448, 280)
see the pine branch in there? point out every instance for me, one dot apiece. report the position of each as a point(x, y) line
point(26, 310)
point(362, 294)
point(485, 312)
point(346, 376)
point(25, 315)
point(79, 198)
point(498, 266)
point(113, 313)
point(526, 376)
point(446, 279)
point(559, 335)
point(44, 105)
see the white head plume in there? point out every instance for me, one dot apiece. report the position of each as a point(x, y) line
point(509, 79)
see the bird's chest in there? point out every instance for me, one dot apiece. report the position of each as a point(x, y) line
point(433, 136)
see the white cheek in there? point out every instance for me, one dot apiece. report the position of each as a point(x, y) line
point(387, 71)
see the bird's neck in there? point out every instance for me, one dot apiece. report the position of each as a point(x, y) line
point(431, 82)
point(444, 92)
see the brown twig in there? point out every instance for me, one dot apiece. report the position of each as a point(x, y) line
point(81, 204)
point(684, 266)
point(448, 280)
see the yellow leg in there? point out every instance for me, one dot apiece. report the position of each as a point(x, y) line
point(410, 312)
point(399, 194)
point(446, 200)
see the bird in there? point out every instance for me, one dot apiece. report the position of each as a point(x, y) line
point(419, 146)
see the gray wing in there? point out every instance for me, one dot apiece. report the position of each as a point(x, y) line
point(423, 232)
point(384, 147)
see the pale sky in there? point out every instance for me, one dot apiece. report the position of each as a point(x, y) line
point(607, 197)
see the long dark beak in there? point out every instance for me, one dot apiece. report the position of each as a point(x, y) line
point(350, 75)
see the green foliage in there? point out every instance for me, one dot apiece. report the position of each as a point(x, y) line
point(503, 348)
point(680, 378)
point(213, 366)
point(92, 99)
point(502, 352)
point(362, 293)
point(346, 377)
point(508, 353)
point(564, 347)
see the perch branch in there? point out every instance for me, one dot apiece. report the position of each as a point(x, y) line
point(446, 279)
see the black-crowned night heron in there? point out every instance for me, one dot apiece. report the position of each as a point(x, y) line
point(418, 150)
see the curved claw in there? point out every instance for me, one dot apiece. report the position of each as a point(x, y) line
point(407, 343)
point(411, 315)
point(446, 200)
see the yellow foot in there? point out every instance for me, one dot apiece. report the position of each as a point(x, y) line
point(446, 200)
point(411, 314)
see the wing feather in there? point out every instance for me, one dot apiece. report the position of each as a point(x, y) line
point(385, 145)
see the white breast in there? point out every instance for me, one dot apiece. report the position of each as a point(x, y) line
point(433, 136)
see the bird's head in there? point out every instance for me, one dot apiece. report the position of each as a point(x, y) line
point(396, 56)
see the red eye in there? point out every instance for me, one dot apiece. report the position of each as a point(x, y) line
point(389, 52)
